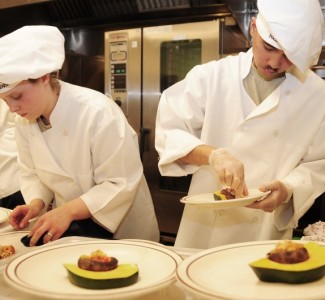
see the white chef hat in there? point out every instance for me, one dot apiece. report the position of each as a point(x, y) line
point(294, 26)
point(29, 53)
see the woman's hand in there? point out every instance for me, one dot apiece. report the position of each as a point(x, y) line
point(279, 194)
point(56, 221)
point(22, 214)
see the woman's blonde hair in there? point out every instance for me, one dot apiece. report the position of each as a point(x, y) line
point(54, 81)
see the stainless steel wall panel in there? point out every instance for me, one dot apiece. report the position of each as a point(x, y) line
point(129, 98)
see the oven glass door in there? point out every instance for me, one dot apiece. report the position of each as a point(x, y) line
point(176, 59)
point(169, 52)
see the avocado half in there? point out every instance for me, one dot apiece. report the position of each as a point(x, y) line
point(123, 275)
point(310, 270)
point(218, 196)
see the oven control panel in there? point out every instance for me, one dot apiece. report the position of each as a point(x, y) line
point(118, 60)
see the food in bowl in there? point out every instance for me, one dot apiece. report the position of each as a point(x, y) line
point(291, 262)
point(100, 271)
point(7, 251)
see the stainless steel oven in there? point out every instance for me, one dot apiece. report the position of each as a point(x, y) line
point(139, 64)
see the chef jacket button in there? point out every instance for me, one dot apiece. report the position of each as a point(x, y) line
point(222, 212)
point(254, 220)
point(276, 133)
point(244, 128)
point(287, 92)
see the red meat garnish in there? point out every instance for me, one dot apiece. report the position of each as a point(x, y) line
point(229, 193)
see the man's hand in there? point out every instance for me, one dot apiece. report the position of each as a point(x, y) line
point(279, 194)
point(230, 171)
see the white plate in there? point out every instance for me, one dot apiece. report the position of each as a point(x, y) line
point(13, 238)
point(224, 273)
point(207, 200)
point(4, 214)
point(41, 272)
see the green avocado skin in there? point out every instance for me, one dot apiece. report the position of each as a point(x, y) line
point(96, 284)
point(271, 275)
point(307, 271)
point(123, 275)
point(218, 196)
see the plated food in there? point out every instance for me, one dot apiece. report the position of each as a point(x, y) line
point(41, 272)
point(209, 274)
point(208, 200)
point(225, 194)
point(291, 262)
point(11, 246)
point(6, 251)
point(97, 261)
point(100, 271)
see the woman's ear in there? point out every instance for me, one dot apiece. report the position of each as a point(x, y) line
point(253, 28)
point(46, 78)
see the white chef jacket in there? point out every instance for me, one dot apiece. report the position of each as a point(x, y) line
point(282, 138)
point(9, 170)
point(90, 152)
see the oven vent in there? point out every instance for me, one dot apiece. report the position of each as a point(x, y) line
point(152, 5)
point(71, 11)
point(77, 10)
point(67, 14)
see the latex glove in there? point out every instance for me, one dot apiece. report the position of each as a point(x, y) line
point(230, 171)
point(280, 192)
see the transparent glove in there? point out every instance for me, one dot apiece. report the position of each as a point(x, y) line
point(230, 171)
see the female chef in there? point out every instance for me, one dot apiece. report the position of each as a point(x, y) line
point(10, 195)
point(256, 120)
point(75, 147)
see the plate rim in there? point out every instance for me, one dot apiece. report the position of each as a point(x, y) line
point(14, 232)
point(20, 233)
point(5, 216)
point(17, 284)
point(200, 290)
point(223, 203)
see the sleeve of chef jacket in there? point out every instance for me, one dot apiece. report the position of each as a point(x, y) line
point(117, 169)
point(8, 151)
point(30, 183)
point(179, 122)
point(307, 181)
